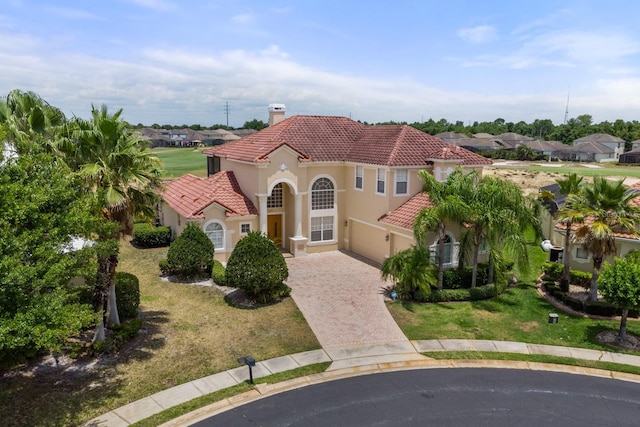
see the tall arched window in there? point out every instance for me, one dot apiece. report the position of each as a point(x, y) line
point(322, 221)
point(215, 232)
point(322, 194)
point(449, 252)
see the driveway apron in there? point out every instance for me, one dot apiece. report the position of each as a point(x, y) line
point(341, 297)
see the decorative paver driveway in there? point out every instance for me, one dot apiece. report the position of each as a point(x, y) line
point(341, 299)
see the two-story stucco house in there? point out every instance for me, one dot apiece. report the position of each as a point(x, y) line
point(314, 184)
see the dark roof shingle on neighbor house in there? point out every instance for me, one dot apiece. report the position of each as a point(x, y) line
point(190, 195)
point(340, 139)
point(597, 137)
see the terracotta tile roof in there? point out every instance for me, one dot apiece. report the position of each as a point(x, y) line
point(339, 139)
point(407, 212)
point(190, 195)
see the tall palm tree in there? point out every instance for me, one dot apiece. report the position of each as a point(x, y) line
point(567, 216)
point(606, 207)
point(500, 215)
point(124, 176)
point(445, 206)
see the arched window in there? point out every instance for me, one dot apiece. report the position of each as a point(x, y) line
point(323, 211)
point(322, 194)
point(275, 199)
point(449, 252)
point(215, 232)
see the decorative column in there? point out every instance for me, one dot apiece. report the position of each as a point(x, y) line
point(297, 216)
point(263, 213)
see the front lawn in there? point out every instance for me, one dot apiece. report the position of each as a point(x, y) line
point(188, 332)
point(519, 314)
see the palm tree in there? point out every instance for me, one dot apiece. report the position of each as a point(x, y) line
point(567, 216)
point(124, 176)
point(27, 117)
point(500, 216)
point(445, 206)
point(412, 272)
point(606, 207)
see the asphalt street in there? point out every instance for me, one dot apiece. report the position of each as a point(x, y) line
point(447, 397)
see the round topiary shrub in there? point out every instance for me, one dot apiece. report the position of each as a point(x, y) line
point(127, 295)
point(191, 254)
point(258, 268)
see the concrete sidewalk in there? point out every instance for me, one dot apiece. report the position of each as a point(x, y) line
point(352, 360)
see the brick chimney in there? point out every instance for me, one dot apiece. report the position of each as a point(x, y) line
point(276, 113)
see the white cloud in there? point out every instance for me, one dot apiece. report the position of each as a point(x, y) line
point(242, 19)
point(158, 5)
point(478, 35)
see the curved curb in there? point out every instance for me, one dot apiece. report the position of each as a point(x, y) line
point(262, 391)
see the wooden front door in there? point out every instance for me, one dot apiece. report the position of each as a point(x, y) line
point(274, 228)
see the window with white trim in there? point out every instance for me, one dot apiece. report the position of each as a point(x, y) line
point(449, 252)
point(322, 194)
point(245, 228)
point(275, 199)
point(215, 233)
point(323, 211)
point(321, 228)
point(359, 177)
point(581, 253)
point(402, 181)
point(381, 181)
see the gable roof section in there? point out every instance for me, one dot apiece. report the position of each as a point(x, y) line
point(598, 137)
point(190, 195)
point(406, 214)
point(339, 139)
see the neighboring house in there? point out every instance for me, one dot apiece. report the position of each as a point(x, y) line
point(580, 259)
point(598, 147)
point(513, 139)
point(585, 152)
point(187, 137)
point(545, 147)
point(315, 184)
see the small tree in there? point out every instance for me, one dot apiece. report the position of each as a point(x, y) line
point(258, 268)
point(413, 273)
point(191, 254)
point(619, 283)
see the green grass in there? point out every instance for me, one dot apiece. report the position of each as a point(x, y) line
point(519, 314)
point(189, 332)
point(179, 161)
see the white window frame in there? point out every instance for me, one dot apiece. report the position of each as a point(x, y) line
point(359, 174)
point(581, 254)
point(396, 182)
point(381, 177)
point(224, 234)
point(242, 225)
point(276, 199)
point(326, 216)
point(453, 262)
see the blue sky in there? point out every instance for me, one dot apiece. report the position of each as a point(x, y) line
point(179, 62)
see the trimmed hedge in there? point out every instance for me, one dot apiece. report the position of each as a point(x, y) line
point(191, 254)
point(600, 308)
point(471, 294)
point(574, 303)
point(460, 278)
point(218, 273)
point(580, 278)
point(127, 295)
point(148, 236)
point(552, 271)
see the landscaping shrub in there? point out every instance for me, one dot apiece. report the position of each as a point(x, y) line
point(482, 292)
point(258, 268)
point(447, 295)
point(148, 236)
point(120, 335)
point(552, 271)
point(600, 308)
point(574, 303)
point(191, 254)
point(580, 278)
point(127, 295)
point(218, 273)
point(460, 278)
